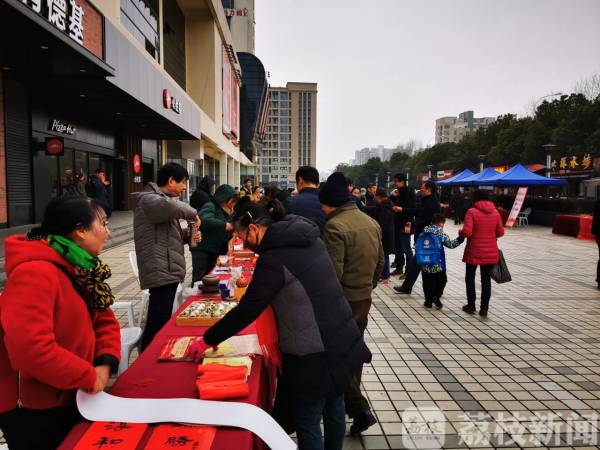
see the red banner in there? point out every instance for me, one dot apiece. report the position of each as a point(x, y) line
point(516, 208)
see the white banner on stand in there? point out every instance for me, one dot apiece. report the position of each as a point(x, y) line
point(516, 208)
point(108, 408)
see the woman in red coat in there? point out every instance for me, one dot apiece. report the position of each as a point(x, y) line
point(482, 228)
point(57, 331)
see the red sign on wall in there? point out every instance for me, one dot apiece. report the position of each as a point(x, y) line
point(137, 164)
point(55, 146)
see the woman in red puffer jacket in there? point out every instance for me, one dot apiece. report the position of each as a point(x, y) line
point(57, 331)
point(483, 226)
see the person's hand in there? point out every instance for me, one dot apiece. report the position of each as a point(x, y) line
point(102, 379)
point(197, 222)
point(397, 209)
point(197, 236)
point(228, 227)
point(198, 348)
point(395, 193)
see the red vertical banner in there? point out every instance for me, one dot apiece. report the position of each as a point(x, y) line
point(226, 94)
point(516, 208)
point(235, 125)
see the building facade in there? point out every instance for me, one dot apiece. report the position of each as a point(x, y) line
point(454, 129)
point(121, 85)
point(384, 154)
point(291, 134)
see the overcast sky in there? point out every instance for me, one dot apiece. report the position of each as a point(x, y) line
point(387, 69)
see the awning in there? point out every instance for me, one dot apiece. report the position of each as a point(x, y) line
point(478, 179)
point(519, 176)
point(459, 176)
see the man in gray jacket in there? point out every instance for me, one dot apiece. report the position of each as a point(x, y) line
point(159, 242)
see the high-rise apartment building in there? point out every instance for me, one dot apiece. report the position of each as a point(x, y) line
point(384, 154)
point(291, 136)
point(454, 129)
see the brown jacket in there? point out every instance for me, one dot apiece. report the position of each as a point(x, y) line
point(353, 241)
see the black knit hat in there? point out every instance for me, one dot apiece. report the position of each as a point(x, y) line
point(335, 191)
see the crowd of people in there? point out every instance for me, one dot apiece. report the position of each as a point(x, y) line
point(322, 248)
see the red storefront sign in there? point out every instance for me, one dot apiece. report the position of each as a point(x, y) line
point(55, 146)
point(137, 164)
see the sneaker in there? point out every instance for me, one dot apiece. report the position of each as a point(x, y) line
point(401, 290)
point(427, 304)
point(362, 422)
point(438, 303)
point(483, 312)
point(469, 309)
point(402, 276)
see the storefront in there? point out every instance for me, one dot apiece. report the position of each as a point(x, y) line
point(96, 92)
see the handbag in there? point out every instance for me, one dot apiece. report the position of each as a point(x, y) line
point(500, 272)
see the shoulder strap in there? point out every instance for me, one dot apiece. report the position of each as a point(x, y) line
point(77, 288)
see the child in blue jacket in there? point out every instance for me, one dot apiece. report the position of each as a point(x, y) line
point(434, 276)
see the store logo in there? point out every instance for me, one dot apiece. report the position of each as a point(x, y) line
point(60, 127)
point(55, 146)
point(137, 164)
point(171, 102)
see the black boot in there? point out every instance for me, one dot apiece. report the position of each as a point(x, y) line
point(362, 422)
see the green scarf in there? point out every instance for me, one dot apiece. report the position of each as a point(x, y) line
point(90, 272)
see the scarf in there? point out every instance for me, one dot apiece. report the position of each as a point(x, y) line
point(90, 272)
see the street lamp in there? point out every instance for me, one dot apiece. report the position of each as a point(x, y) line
point(549, 148)
point(388, 180)
point(429, 166)
point(481, 159)
point(406, 169)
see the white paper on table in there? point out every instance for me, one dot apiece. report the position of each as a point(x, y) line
point(106, 407)
point(246, 344)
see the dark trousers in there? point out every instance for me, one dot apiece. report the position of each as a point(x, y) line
point(356, 403)
point(486, 284)
point(434, 285)
point(457, 217)
point(38, 429)
point(307, 421)
point(385, 273)
point(404, 251)
point(160, 308)
point(412, 274)
point(202, 264)
point(598, 265)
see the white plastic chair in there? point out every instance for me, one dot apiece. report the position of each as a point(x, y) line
point(145, 294)
point(523, 217)
point(130, 335)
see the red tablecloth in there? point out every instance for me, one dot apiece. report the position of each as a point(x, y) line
point(585, 228)
point(567, 224)
point(148, 378)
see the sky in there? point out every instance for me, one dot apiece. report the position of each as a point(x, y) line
point(386, 69)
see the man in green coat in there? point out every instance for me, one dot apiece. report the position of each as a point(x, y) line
point(353, 240)
point(216, 231)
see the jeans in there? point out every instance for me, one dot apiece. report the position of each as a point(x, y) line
point(356, 403)
point(160, 308)
point(486, 284)
point(433, 285)
point(404, 251)
point(598, 265)
point(307, 418)
point(38, 429)
point(202, 264)
point(412, 274)
point(385, 273)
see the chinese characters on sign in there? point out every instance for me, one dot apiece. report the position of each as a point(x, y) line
point(516, 208)
point(573, 163)
point(229, 12)
point(66, 15)
point(112, 435)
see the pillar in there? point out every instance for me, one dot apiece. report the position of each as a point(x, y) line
point(237, 175)
point(223, 168)
point(231, 171)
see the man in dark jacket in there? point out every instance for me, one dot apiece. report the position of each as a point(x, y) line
point(354, 242)
point(98, 189)
point(596, 231)
point(456, 205)
point(201, 195)
point(384, 216)
point(159, 242)
point(320, 344)
point(306, 203)
point(370, 203)
point(216, 231)
point(430, 205)
point(402, 197)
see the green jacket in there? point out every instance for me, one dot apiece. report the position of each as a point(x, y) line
point(214, 237)
point(353, 240)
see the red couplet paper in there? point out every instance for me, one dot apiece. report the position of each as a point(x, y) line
point(215, 391)
point(112, 436)
point(221, 369)
point(181, 436)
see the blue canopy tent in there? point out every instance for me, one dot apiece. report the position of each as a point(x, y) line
point(520, 176)
point(459, 176)
point(477, 179)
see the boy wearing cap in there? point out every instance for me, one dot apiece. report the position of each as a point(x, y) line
point(216, 231)
point(353, 240)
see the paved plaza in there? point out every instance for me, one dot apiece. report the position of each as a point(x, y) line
point(526, 376)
